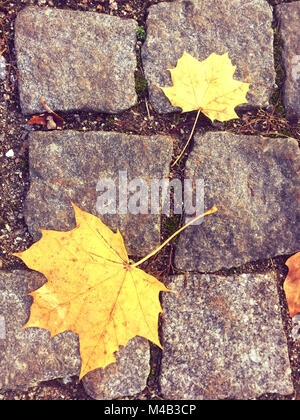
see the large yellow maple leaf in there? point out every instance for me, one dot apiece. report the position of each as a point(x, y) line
point(207, 86)
point(92, 290)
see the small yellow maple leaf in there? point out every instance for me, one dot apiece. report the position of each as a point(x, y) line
point(207, 86)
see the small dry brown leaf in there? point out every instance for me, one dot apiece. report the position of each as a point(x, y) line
point(49, 118)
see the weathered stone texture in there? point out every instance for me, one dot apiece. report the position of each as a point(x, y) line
point(201, 27)
point(29, 356)
point(3, 65)
point(126, 377)
point(289, 18)
point(254, 182)
point(223, 338)
point(75, 60)
point(66, 166)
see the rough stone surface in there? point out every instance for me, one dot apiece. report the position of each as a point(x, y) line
point(126, 377)
point(29, 356)
point(66, 166)
point(223, 338)
point(289, 17)
point(75, 60)
point(2, 67)
point(254, 182)
point(201, 27)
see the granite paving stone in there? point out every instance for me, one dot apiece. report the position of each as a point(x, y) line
point(223, 338)
point(75, 60)
point(29, 356)
point(67, 165)
point(254, 182)
point(126, 377)
point(289, 19)
point(241, 27)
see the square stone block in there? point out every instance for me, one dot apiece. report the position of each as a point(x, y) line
point(75, 60)
point(223, 338)
point(255, 184)
point(201, 27)
point(66, 166)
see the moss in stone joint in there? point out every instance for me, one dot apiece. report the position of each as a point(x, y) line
point(140, 33)
point(140, 83)
point(177, 117)
point(172, 224)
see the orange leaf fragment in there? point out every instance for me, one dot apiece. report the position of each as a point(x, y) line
point(292, 284)
point(38, 119)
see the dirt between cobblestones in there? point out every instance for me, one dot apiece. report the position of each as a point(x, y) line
point(142, 120)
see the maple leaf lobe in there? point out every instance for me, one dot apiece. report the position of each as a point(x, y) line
point(206, 85)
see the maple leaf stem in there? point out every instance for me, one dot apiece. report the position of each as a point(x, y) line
point(211, 211)
point(189, 139)
point(48, 109)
